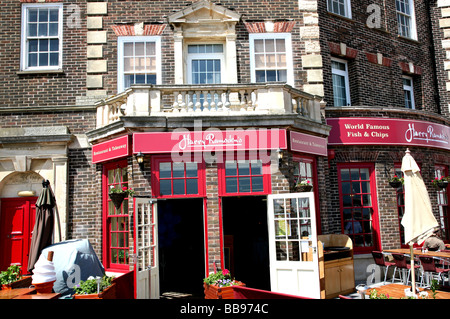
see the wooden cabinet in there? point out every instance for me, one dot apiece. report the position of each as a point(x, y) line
point(336, 265)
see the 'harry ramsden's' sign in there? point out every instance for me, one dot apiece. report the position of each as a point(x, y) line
point(360, 130)
point(112, 149)
point(195, 141)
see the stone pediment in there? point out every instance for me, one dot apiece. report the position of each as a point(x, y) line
point(204, 12)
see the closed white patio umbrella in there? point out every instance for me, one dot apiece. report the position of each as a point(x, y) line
point(418, 220)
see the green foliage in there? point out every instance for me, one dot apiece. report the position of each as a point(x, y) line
point(89, 286)
point(221, 279)
point(375, 295)
point(119, 190)
point(10, 275)
point(434, 285)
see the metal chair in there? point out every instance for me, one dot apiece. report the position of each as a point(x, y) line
point(402, 265)
point(429, 268)
point(379, 259)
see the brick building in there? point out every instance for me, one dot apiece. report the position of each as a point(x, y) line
point(225, 103)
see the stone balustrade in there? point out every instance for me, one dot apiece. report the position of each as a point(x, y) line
point(214, 99)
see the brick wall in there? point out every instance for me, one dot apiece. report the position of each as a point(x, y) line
point(373, 82)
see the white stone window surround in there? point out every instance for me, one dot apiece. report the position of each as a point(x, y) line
point(344, 75)
point(26, 38)
point(340, 7)
point(408, 90)
point(288, 47)
point(406, 18)
point(120, 57)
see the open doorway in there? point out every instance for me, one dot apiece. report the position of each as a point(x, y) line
point(246, 243)
point(181, 246)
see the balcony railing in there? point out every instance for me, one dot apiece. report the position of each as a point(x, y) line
point(214, 99)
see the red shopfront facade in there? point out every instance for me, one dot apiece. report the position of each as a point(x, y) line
point(208, 173)
point(364, 193)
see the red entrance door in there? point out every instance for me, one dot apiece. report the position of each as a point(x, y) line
point(16, 224)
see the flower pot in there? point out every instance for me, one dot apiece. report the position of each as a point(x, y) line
point(44, 287)
point(304, 188)
point(24, 282)
point(216, 292)
point(108, 293)
point(117, 199)
point(442, 184)
point(395, 184)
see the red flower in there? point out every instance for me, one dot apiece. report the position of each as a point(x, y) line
point(225, 272)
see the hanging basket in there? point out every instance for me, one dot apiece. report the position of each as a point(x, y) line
point(117, 199)
point(304, 188)
point(442, 184)
point(395, 184)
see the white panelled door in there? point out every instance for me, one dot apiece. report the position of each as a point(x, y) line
point(294, 265)
point(146, 241)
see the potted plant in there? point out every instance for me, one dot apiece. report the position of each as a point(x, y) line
point(304, 186)
point(219, 285)
point(117, 195)
point(95, 288)
point(440, 182)
point(396, 181)
point(11, 278)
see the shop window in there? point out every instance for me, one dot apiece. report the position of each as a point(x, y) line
point(244, 177)
point(340, 7)
point(341, 84)
point(41, 37)
point(358, 205)
point(443, 199)
point(116, 221)
point(177, 179)
point(139, 61)
point(303, 170)
point(271, 57)
point(405, 18)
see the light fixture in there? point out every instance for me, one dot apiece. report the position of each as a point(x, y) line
point(280, 157)
point(140, 160)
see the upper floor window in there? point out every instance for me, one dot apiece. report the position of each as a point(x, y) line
point(41, 43)
point(139, 61)
point(408, 92)
point(271, 57)
point(205, 63)
point(405, 18)
point(341, 86)
point(341, 7)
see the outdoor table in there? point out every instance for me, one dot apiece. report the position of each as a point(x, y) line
point(53, 295)
point(26, 293)
point(397, 291)
point(417, 252)
point(12, 293)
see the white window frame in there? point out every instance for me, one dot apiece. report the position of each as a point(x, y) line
point(347, 8)
point(205, 56)
point(410, 89)
point(24, 38)
point(120, 65)
point(343, 73)
point(411, 17)
point(288, 45)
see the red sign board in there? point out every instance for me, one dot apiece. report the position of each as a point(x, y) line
point(193, 141)
point(115, 148)
point(310, 144)
point(382, 131)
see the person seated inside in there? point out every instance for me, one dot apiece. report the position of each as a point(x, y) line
point(434, 242)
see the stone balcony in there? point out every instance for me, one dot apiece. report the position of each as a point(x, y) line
point(221, 100)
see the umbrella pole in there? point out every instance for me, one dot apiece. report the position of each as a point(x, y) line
point(413, 274)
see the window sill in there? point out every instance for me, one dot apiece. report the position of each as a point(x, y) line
point(341, 17)
point(408, 39)
point(40, 72)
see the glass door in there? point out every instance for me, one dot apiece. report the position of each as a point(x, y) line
point(294, 264)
